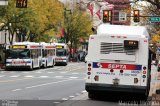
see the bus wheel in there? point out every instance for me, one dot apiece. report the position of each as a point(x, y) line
point(65, 64)
point(46, 65)
point(31, 68)
point(91, 95)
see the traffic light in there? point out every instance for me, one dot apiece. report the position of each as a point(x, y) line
point(21, 3)
point(107, 16)
point(136, 17)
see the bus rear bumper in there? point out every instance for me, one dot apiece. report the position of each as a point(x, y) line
point(116, 88)
point(17, 67)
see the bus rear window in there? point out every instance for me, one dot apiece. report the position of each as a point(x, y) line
point(130, 44)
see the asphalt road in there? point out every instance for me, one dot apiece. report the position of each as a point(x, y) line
point(57, 83)
point(60, 86)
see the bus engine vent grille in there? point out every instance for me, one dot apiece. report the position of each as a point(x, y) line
point(107, 48)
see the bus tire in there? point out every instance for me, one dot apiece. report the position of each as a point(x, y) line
point(31, 68)
point(91, 95)
point(65, 64)
point(46, 65)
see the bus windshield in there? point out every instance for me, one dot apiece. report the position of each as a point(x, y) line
point(61, 52)
point(18, 53)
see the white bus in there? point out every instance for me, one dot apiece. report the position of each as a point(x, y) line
point(118, 60)
point(26, 55)
point(62, 53)
point(48, 54)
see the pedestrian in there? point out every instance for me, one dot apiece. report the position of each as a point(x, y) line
point(79, 58)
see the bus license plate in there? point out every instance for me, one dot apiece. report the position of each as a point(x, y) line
point(116, 81)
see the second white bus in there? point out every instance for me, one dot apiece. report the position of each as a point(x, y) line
point(23, 55)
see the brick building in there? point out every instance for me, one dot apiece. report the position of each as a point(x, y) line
point(120, 12)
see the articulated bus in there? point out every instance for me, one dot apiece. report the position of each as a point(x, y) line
point(62, 53)
point(48, 54)
point(26, 55)
point(118, 60)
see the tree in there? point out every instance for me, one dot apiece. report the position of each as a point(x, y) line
point(78, 25)
point(32, 22)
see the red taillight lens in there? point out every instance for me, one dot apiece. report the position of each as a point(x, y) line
point(89, 69)
point(121, 71)
point(144, 68)
point(144, 72)
point(111, 70)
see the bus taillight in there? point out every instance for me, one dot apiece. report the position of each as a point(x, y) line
point(89, 69)
point(144, 72)
point(144, 68)
point(89, 65)
point(111, 70)
point(121, 71)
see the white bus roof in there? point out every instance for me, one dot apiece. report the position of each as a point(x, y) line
point(132, 31)
point(25, 43)
point(62, 44)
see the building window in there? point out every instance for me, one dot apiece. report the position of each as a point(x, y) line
point(122, 16)
point(116, 16)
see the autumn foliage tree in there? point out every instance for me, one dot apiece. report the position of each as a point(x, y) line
point(77, 26)
point(31, 23)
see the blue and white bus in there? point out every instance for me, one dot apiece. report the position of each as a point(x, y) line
point(48, 54)
point(62, 53)
point(23, 55)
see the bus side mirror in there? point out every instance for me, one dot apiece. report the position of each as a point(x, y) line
point(94, 30)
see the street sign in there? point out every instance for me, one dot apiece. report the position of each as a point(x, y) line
point(154, 19)
point(3, 2)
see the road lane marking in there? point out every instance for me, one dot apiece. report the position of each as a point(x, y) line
point(15, 76)
point(43, 76)
point(47, 84)
point(2, 75)
point(77, 94)
point(59, 76)
point(56, 102)
point(16, 90)
point(71, 96)
point(75, 73)
point(13, 80)
point(73, 77)
point(64, 98)
point(29, 76)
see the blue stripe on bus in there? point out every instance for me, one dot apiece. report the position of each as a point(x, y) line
point(25, 62)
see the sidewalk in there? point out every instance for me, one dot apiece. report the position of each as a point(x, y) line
point(155, 83)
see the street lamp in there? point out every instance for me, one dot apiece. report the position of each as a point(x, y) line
point(66, 20)
point(5, 39)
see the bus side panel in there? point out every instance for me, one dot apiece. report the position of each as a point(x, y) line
point(143, 59)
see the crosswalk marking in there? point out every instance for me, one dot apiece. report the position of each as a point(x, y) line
point(2, 75)
point(44, 76)
point(15, 76)
point(29, 76)
point(58, 76)
point(73, 77)
point(75, 73)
